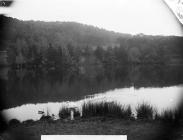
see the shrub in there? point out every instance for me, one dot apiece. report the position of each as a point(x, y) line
point(64, 113)
point(14, 122)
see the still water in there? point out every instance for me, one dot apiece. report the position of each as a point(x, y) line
point(160, 98)
point(25, 92)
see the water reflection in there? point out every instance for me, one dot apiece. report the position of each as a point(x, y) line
point(4, 73)
point(160, 98)
point(41, 85)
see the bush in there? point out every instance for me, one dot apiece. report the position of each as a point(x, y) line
point(145, 111)
point(14, 122)
point(64, 113)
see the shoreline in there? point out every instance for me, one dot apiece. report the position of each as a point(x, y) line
point(134, 129)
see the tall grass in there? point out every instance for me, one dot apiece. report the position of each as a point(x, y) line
point(170, 116)
point(166, 116)
point(145, 111)
point(107, 109)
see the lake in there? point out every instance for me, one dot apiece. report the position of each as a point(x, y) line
point(28, 91)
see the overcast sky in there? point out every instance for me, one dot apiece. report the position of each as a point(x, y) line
point(126, 16)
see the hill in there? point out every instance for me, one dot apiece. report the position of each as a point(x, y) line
point(39, 42)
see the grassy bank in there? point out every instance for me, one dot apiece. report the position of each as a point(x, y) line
point(104, 118)
point(143, 111)
point(134, 129)
point(107, 109)
point(113, 110)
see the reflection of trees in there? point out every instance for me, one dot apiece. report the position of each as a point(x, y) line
point(4, 73)
point(155, 76)
point(39, 86)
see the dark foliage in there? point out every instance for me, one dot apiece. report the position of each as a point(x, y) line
point(64, 113)
point(145, 111)
point(68, 46)
point(46, 117)
point(14, 122)
point(167, 116)
point(106, 109)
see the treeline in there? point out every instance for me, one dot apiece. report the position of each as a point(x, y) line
point(72, 45)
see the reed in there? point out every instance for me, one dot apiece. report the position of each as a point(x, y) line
point(145, 111)
point(106, 109)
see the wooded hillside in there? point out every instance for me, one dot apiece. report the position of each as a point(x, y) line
point(64, 44)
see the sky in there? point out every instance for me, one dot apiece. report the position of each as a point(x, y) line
point(126, 16)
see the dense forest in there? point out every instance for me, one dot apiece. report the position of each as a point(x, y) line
point(74, 46)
